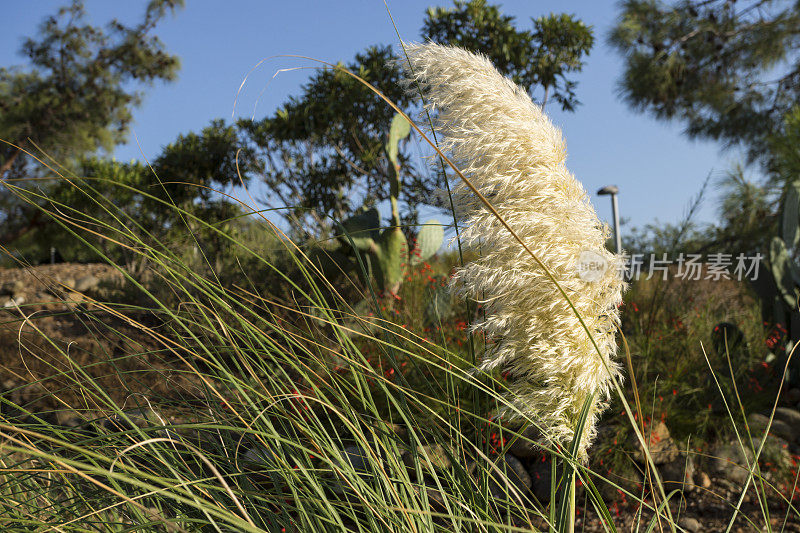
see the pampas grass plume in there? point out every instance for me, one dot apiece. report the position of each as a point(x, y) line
point(504, 144)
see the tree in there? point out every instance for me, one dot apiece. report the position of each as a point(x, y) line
point(76, 96)
point(541, 58)
point(784, 148)
point(728, 70)
point(118, 195)
point(324, 149)
point(747, 213)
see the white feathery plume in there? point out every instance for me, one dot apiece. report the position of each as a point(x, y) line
point(504, 144)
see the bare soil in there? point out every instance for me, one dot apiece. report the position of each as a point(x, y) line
point(58, 342)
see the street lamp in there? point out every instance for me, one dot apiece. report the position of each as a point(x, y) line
point(613, 190)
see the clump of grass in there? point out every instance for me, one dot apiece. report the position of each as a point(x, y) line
point(667, 324)
point(297, 412)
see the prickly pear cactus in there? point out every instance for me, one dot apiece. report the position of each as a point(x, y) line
point(429, 240)
point(387, 250)
point(362, 229)
point(399, 130)
point(783, 270)
point(390, 264)
point(779, 294)
point(790, 219)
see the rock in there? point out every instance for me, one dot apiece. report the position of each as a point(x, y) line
point(792, 395)
point(678, 474)
point(517, 472)
point(391, 429)
point(43, 297)
point(524, 446)
point(14, 301)
point(509, 472)
point(86, 283)
point(729, 461)
point(72, 298)
point(70, 419)
point(661, 446)
point(775, 451)
point(627, 478)
point(430, 456)
point(260, 462)
point(541, 472)
point(261, 455)
point(435, 498)
point(758, 423)
point(358, 459)
point(12, 288)
point(156, 516)
point(701, 479)
point(46, 418)
point(690, 524)
point(791, 417)
point(61, 286)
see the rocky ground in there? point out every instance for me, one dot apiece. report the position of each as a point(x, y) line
point(50, 324)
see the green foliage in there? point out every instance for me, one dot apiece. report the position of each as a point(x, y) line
point(192, 163)
point(324, 151)
point(747, 213)
point(784, 150)
point(543, 57)
point(440, 308)
point(780, 288)
point(667, 323)
point(281, 413)
point(112, 183)
point(75, 96)
point(727, 70)
point(388, 250)
point(779, 294)
point(185, 175)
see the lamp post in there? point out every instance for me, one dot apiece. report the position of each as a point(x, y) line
point(612, 190)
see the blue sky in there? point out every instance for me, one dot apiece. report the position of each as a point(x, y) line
point(656, 168)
